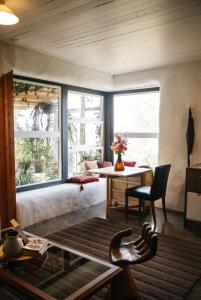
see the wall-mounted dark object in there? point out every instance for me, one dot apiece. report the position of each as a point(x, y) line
point(190, 134)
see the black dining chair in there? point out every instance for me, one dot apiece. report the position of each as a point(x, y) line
point(151, 193)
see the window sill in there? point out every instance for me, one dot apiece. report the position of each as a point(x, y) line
point(37, 185)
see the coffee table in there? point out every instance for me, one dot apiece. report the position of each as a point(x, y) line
point(61, 273)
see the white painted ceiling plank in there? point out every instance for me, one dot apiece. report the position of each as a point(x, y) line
point(81, 32)
point(109, 35)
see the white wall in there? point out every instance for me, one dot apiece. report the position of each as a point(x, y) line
point(34, 64)
point(7, 58)
point(180, 87)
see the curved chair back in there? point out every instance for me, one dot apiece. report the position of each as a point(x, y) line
point(159, 185)
point(123, 253)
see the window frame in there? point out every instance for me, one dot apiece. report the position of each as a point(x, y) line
point(135, 134)
point(63, 129)
point(80, 148)
point(56, 181)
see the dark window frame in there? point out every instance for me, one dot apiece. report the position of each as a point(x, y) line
point(64, 121)
point(127, 92)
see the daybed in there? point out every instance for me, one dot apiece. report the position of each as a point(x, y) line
point(41, 204)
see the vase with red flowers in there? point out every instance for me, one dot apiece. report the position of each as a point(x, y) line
point(119, 146)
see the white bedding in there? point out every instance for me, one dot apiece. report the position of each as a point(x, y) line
point(42, 204)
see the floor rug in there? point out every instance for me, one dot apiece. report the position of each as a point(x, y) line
point(171, 274)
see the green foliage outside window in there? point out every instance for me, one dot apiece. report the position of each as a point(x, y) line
point(34, 155)
point(37, 123)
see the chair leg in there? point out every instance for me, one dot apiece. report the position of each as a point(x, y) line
point(140, 206)
point(143, 205)
point(153, 212)
point(123, 286)
point(126, 206)
point(164, 209)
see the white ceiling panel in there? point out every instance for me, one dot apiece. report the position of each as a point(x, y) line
point(114, 36)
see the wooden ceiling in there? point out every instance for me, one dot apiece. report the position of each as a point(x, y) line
point(114, 36)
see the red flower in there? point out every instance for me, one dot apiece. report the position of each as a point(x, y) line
point(119, 144)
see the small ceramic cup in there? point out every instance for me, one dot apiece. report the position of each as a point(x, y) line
point(12, 246)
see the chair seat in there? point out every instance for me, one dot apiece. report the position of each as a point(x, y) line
point(142, 192)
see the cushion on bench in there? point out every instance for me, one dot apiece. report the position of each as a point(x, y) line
point(82, 179)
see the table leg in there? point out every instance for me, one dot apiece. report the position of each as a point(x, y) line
point(107, 196)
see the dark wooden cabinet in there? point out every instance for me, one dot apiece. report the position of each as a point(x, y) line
point(192, 210)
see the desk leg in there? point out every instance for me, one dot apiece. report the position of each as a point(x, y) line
point(107, 196)
point(185, 200)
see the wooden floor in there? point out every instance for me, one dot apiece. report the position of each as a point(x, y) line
point(174, 226)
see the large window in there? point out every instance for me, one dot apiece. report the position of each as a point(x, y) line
point(41, 109)
point(137, 116)
point(37, 132)
point(85, 130)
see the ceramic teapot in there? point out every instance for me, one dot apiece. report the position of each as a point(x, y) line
point(12, 246)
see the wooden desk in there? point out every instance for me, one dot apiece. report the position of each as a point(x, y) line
point(144, 175)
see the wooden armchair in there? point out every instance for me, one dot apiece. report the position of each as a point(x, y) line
point(123, 254)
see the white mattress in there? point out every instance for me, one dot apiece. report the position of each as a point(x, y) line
point(42, 204)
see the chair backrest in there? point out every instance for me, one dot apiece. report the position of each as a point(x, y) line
point(123, 253)
point(159, 185)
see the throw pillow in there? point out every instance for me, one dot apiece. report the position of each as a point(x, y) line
point(104, 164)
point(129, 163)
point(81, 179)
point(89, 165)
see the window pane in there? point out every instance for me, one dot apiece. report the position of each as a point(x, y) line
point(37, 132)
point(137, 116)
point(36, 107)
point(81, 105)
point(137, 112)
point(85, 130)
point(37, 160)
point(143, 151)
point(76, 160)
point(85, 134)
